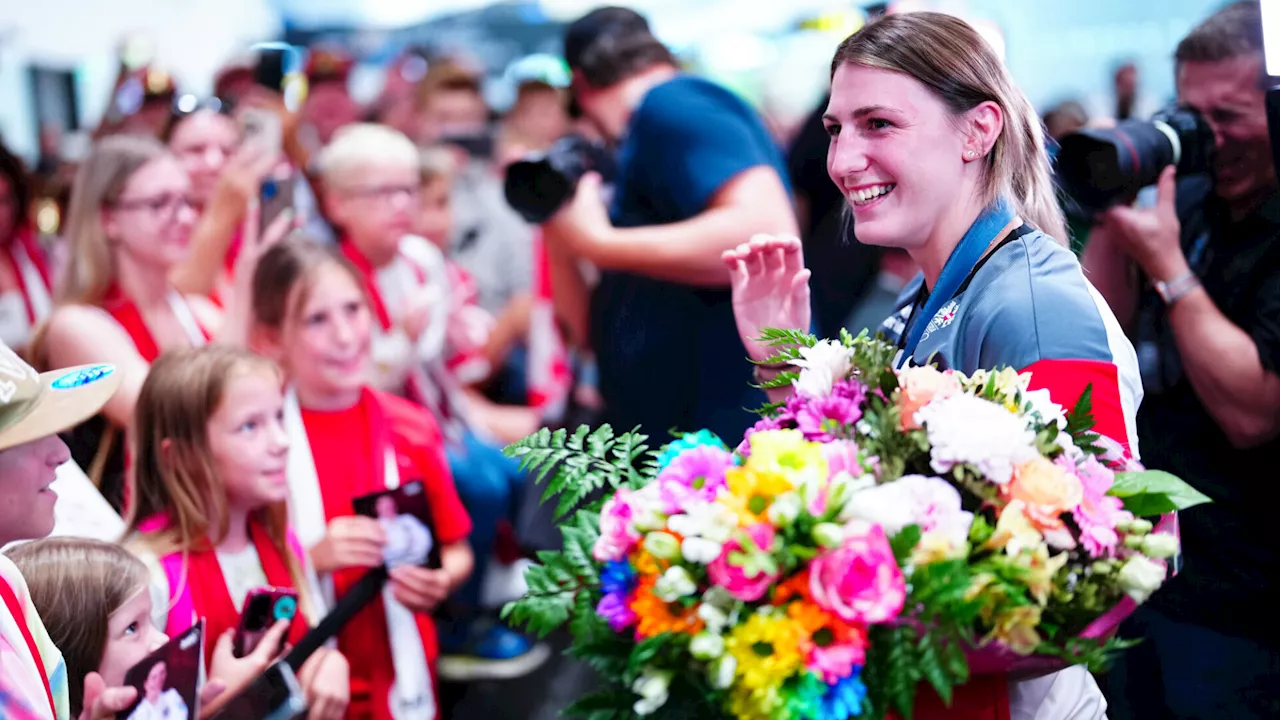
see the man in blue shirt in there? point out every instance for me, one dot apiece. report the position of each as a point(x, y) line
point(698, 174)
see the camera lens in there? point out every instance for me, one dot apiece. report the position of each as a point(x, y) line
point(539, 185)
point(1101, 167)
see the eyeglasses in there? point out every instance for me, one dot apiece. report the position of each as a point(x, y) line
point(184, 105)
point(167, 205)
point(383, 193)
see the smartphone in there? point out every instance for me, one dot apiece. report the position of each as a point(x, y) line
point(169, 680)
point(274, 695)
point(274, 197)
point(279, 68)
point(262, 608)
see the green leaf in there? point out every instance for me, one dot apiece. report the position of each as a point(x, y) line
point(905, 542)
point(931, 667)
point(1156, 484)
point(613, 703)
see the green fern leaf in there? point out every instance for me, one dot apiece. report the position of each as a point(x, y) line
point(931, 667)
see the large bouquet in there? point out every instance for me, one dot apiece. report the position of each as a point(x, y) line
point(880, 529)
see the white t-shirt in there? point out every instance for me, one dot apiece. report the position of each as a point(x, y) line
point(169, 706)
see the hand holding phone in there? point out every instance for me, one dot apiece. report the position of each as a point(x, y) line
point(263, 607)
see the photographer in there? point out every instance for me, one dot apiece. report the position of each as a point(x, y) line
point(697, 174)
point(1196, 281)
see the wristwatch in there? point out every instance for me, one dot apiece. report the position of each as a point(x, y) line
point(1174, 290)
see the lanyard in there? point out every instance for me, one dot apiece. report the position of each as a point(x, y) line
point(958, 267)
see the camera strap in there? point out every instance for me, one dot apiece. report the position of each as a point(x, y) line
point(981, 234)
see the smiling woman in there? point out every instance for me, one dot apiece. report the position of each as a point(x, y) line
point(938, 153)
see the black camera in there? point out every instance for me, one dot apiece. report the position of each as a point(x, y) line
point(538, 185)
point(1100, 168)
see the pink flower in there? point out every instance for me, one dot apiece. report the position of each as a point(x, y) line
point(860, 581)
point(842, 456)
point(822, 418)
point(836, 660)
point(746, 580)
point(1098, 513)
point(694, 473)
point(919, 386)
point(617, 534)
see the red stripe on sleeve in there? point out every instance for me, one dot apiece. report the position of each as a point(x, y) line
point(1066, 380)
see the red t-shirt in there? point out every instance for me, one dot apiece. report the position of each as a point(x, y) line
point(347, 447)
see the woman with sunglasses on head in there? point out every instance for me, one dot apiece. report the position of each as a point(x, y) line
point(226, 175)
point(26, 289)
point(129, 226)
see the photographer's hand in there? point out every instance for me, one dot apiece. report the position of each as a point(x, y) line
point(583, 224)
point(1151, 236)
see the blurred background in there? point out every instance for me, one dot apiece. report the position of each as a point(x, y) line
point(59, 59)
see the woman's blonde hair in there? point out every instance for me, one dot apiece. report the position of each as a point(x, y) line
point(99, 183)
point(950, 58)
point(174, 469)
point(361, 145)
point(76, 585)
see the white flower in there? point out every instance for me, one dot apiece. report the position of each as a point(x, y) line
point(964, 429)
point(820, 367)
point(1050, 412)
point(828, 535)
point(674, 584)
point(1139, 577)
point(700, 550)
point(662, 545)
point(652, 686)
point(784, 509)
point(1160, 545)
point(715, 618)
point(709, 520)
point(929, 502)
point(646, 509)
point(722, 671)
point(706, 646)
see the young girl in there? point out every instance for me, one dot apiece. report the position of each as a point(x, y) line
point(348, 440)
point(93, 598)
point(210, 517)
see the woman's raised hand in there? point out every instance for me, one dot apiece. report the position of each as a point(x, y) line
point(770, 286)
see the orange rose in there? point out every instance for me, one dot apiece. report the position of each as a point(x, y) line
point(919, 386)
point(1046, 491)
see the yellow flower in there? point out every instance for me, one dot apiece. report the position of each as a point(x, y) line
point(786, 453)
point(1046, 490)
point(1008, 383)
point(751, 492)
point(768, 650)
point(758, 704)
point(935, 547)
point(1040, 571)
point(1014, 531)
point(1016, 628)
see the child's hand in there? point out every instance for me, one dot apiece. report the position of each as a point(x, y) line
point(326, 682)
point(232, 673)
point(352, 541)
point(420, 589)
point(102, 702)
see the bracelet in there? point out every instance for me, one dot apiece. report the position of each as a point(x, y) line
point(1177, 288)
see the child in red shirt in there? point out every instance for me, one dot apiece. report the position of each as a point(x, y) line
point(349, 440)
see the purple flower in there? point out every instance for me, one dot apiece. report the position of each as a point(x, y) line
point(851, 389)
point(613, 608)
point(695, 473)
point(822, 419)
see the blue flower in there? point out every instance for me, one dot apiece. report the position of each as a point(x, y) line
point(844, 699)
point(617, 577)
point(688, 441)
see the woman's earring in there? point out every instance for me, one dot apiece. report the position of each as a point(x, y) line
point(971, 155)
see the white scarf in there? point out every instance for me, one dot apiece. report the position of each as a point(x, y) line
point(412, 697)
